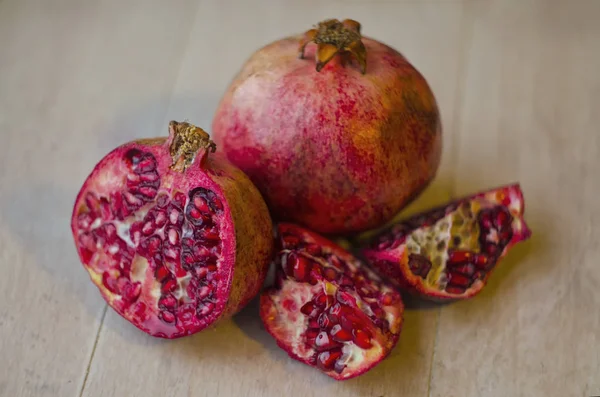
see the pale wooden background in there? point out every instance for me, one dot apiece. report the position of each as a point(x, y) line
point(518, 83)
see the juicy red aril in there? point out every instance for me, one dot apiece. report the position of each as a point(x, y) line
point(339, 334)
point(324, 342)
point(419, 265)
point(362, 338)
point(298, 267)
point(326, 360)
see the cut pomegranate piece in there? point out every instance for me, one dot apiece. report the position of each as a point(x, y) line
point(450, 252)
point(343, 325)
point(159, 225)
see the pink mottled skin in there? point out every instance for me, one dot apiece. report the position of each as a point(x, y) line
point(336, 151)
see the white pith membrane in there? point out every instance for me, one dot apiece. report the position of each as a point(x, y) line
point(289, 324)
point(136, 294)
point(434, 241)
point(453, 247)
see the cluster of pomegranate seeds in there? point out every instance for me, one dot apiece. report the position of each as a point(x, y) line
point(452, 249)
point(177, 235)
point(341, 306)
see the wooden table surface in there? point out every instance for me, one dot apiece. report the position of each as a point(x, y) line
point(518, 82)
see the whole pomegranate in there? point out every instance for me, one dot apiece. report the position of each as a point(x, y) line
point(328, 310)
point(450, 252)
point(173, 238)
point(335, 147)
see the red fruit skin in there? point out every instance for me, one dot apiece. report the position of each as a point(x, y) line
point(393, 263)
point(271, 318)
point(336, 151)
point(249, 223)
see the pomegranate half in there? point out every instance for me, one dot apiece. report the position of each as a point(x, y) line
point(326, 309)
point(449, 253)
point(336, 146)
point(173, 238)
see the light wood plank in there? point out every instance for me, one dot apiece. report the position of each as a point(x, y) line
point(239, 358)
point(76, 79)
point(531, 115)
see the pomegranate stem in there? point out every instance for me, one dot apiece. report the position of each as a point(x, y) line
point(333, 37)
point(186, 142)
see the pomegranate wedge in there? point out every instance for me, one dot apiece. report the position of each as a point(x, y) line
point(449, 253)
point(326, 309)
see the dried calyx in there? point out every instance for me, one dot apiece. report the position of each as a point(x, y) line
point(187, 141)
point(334, 37)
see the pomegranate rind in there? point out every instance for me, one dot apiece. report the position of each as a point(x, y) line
point(393, 262)
point(245, 230)
point(287, 326)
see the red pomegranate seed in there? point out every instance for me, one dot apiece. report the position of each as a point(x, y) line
point(167, 317)
point(168, 302)
point(313, 249)
point(339, 334)
point(458, 280)
point(85, 220)
point(290, 241)
point(455, 290)
point(485, 219)
point(480, 261)
point(204, 291)
point(390, 298)
point(206, 309)
point(173, 236)
point(316, 274)
point(169, 285)
point(345, 298)
point(467, 269)
point(179, 199)
point(109, 282)
point(324, 321)
point(201, 204)
point(298, 267)
point(324, 342)
point(362, 339)
point(201, 272)
point(161, 273)
point(330, 274)
point(161, 219)
point(326, 360)
point(459, 257)
point(309, 309)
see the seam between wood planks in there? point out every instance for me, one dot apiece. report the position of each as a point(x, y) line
point(87, 370)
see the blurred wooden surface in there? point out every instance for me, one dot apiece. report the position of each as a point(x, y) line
point(518, 83)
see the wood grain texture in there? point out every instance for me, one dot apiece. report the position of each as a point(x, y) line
point(239, 358)
point(531, 114)
point(73, 78)
point(518, 86)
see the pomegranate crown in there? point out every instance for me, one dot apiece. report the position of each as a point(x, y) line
point(333, 37)
point(186, 142)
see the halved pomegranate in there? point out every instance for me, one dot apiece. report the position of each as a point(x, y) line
point(174, 239)
point(449, 253)
point(328, 310)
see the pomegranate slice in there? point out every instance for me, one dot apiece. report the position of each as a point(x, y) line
point(158, 225)
point(450, 252)
point(326, 309)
